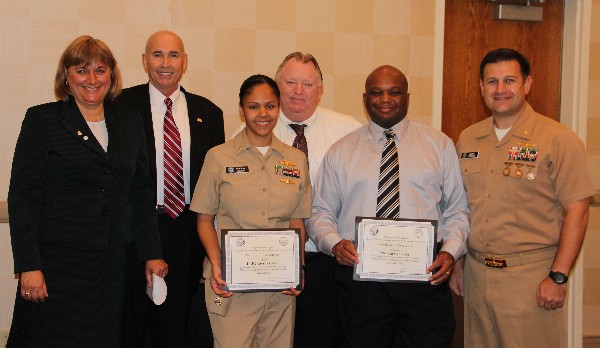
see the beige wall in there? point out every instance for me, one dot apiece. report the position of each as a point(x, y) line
point(228, 40)
point(591, 290)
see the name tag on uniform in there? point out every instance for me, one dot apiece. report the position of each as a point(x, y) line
point(474, 154)
point(231, 170)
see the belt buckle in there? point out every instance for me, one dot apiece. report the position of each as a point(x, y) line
point(494, 262)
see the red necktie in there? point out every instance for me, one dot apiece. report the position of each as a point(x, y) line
point(173, 164)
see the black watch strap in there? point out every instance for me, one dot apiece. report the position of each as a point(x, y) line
point(558, 277)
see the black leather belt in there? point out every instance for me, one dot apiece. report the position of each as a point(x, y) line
point(309, 255)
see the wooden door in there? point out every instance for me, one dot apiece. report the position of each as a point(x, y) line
point(469, 33)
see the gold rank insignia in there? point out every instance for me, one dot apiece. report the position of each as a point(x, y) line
point(287, 163)
point(287, 181)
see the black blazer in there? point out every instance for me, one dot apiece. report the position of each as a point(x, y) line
point(65, 190)
point(206, 127)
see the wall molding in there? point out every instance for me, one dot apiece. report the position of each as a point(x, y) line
point(574, 115)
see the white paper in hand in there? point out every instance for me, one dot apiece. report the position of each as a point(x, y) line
point(158, 291)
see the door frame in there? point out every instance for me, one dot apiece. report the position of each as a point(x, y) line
point(573, 112)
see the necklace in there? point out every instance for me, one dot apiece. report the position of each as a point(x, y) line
point(97, 122)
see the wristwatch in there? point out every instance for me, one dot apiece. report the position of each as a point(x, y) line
point(558, 277)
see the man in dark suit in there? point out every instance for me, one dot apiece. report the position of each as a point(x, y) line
point(198, 126)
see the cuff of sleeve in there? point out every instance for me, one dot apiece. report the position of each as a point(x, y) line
point(329, 242)
point(455, 248)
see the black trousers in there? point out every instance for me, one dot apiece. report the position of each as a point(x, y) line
point(167, 325)
point(393, 314)
point(317, 306)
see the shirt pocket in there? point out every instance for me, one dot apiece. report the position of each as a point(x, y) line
point(516, 187)
point(470, 170)
point(285, 197)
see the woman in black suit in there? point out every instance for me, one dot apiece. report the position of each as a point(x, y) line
point(79, 195)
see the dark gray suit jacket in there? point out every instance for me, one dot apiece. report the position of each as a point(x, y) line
point(65, 190)
point(206, 126)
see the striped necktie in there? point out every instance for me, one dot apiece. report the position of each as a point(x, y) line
point(174, 196)
point(388, 193)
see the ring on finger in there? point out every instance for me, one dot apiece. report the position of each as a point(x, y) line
point(27, 293)
point(448, 273)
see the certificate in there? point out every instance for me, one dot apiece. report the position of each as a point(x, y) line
point(261, 260)
point(394, 249)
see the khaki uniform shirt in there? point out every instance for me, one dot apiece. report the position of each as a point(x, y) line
point(245, 189)
point(517, 187)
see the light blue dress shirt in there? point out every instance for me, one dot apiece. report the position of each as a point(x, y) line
point(430, 185)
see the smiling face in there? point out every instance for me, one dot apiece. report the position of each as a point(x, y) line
point(165, 61)
point(89, 84)
point(260, 108)
point(386, 96)
point(503, 89)
point(301, 89)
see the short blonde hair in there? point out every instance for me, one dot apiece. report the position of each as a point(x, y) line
point(86, 50)
point(301, 57)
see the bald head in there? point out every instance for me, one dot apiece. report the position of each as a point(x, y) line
point(164, 35)
point(386, 70)
point(165, 61)
point(386, 96)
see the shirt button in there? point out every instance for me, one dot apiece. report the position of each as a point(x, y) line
point(107, 170)
point(497, 148)
point(487, 220)
point(264, 190)
point(489, 196)
point(491, 171)
point(106, 191)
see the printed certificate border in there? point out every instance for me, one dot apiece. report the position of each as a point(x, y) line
point(432, 229)
point(227, 236)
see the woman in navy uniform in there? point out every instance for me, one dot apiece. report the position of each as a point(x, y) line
point(252, 181)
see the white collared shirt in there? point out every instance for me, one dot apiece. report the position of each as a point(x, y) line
point(180, 115)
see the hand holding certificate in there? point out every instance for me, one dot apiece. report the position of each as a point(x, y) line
point(394, 249)
point(261, 260)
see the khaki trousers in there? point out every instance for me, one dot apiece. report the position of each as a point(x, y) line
point(252, 320)
point(501, 308)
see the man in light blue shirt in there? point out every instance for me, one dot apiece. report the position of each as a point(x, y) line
point(384, 314)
